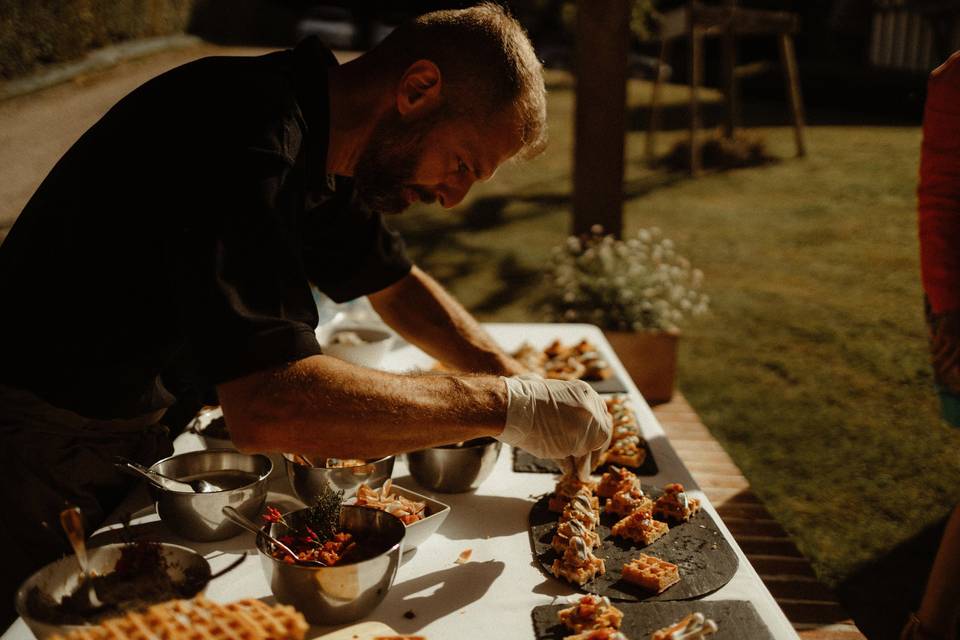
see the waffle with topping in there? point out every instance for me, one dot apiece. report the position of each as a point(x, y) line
point(640, 527)
point(694, 627)
point(591, 612)
point(567, 487)
point(200, 618)
point(615, 479)
point(583, 507)
point(598, 634)
point(653, 574)
point(674, 505)
point(628, 500)
point(570, 528)
point(565, 362)
point(578, 564)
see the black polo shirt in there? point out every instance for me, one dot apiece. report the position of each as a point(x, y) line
point(187, 224)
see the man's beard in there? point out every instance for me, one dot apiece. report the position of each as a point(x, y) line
point(386, 166)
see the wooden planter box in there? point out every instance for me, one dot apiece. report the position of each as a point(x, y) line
point(651, 360)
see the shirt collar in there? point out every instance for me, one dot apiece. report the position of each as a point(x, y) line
point(311, 61)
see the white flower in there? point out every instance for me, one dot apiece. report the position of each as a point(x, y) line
point(639, 283)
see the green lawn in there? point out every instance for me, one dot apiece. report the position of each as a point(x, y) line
point(811, 369)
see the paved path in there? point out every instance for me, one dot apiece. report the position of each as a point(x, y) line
point(810, 606)
point(37, 128)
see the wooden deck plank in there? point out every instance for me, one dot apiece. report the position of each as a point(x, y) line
point(811, 607)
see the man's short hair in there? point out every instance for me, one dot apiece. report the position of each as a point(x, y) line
point(486, 62)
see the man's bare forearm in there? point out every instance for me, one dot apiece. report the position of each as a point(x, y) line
point(422, 311)
point(323, 406)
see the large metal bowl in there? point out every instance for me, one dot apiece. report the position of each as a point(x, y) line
point(199, 516)
point(187, 568)
point(341, 593)
point(454, 468)
point(311, 482)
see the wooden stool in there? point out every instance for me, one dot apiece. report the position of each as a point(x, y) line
point(696, 22)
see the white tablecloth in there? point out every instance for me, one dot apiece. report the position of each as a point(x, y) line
point(492, 595)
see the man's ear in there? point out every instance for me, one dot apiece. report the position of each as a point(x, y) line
point(419, 88)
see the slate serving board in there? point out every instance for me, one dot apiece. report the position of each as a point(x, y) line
point(705, 559)
point(736, 619)
point(613, 384)
point(524, 462)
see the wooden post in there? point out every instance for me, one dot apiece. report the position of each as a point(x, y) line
point(603, 35)
point(696, 79)
point(789, 60)
point(654, 124)
point(730, 94)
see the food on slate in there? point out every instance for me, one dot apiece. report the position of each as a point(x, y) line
point(567, 487)
point(653, 574)
point(674, 505)
point(598, 634)
point(578, 564)
point(694, 627)
point(582, 507)
point(573, 528)
point(201, 618)
point(408, 510)
point(564, 362)
point(626, 445)
point(615, 479)
point(640, 527)
point(591, 612)
point(629, 499)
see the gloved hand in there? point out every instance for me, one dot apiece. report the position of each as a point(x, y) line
point(555, 418)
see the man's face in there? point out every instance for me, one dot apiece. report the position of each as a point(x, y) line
point(434, 158)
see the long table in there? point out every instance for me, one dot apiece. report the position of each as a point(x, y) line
point(492, 595)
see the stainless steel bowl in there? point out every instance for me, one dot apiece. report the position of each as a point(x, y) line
point(311, 482)
point(341, 593)
point(186, 568)
point(199, 516)
point(454, 468)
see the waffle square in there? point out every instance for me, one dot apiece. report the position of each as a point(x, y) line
point(200, 619)
point(653, 574)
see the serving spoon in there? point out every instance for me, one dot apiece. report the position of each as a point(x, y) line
point(72, 522)
point(164, 482)
point(251, 526)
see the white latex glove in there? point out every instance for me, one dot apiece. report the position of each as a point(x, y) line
point(555, 418)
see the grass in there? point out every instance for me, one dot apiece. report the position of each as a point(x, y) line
point(812, 368)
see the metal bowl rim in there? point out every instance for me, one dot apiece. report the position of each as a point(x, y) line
point(297, 464)
point(188, 454)
point(261, 541)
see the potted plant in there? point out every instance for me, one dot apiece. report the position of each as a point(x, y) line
point(639, 290)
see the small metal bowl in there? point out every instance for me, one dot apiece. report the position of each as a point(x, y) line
point(199, 516)
point(455, 468)
point(311, 482)
point(189, 570)
point(341, 593)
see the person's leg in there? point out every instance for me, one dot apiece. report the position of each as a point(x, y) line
point(940, 607)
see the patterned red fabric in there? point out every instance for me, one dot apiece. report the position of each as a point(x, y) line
point(939, 189)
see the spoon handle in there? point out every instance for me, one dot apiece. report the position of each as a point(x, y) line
point(72, 523)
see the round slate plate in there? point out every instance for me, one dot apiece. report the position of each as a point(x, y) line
point(736, 619)
point(705, 558)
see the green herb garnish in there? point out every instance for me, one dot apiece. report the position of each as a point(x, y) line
point(323, 518)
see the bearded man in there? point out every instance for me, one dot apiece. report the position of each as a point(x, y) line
point(183, 231)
